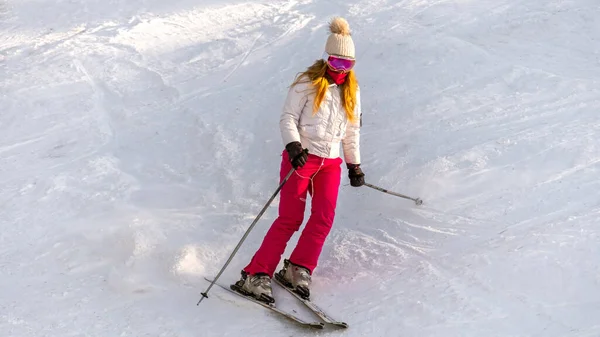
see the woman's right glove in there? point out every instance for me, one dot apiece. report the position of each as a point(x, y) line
point(296, 154)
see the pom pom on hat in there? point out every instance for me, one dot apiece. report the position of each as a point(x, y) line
point(339, 26)
point(340, 41)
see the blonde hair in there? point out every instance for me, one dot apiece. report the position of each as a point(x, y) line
point(315, 74)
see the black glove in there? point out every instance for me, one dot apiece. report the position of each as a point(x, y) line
point(356, 175)
point(297, 155)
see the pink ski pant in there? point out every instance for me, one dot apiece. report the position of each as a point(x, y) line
point(321, 178)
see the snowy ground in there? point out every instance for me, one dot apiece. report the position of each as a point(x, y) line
point(139, 139)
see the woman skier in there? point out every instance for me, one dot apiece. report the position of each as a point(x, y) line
point(321, 110)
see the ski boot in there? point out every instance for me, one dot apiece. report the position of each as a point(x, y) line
point(296, 278)
point(257, 286)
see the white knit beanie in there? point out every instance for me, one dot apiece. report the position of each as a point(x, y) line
point(339, 42)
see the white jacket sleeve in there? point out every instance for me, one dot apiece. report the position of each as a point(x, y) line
point(292, 109)
point(351, 141)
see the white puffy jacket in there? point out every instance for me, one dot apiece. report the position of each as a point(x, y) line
point(321, 133)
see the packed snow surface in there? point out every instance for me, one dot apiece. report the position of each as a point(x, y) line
point(139, 139)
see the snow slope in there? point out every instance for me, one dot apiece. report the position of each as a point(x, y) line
point(139, 139)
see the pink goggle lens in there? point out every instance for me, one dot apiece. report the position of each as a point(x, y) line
point(340, 64)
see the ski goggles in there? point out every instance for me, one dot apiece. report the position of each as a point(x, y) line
point(340, 64)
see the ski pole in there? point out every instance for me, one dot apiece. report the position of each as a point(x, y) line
point(205, 294)
point(417, 201)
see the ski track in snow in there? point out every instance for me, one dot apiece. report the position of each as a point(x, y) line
point(139, 139)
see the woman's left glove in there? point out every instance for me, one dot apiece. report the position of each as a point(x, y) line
point(356, 175)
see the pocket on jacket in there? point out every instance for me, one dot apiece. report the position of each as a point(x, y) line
point(313, 131)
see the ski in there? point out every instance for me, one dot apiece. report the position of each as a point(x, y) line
point(310, 305)
point(317, 325)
